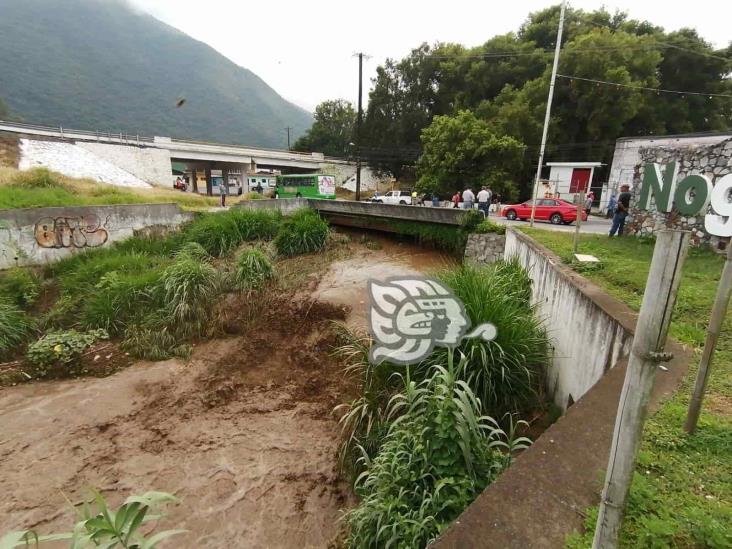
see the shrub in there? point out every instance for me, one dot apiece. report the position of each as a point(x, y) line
point(20, 286)
point(302, 233)
point(190, 291)
point(15, 327)
point(507, 373)
point(154, 343)
point(434, 461)
point(488, 226)
point(63, 348)
point(470, 220)
point(119, 299)
point(79, 274)
point(253, 269)
point(257, 224)
point(443, 237)
point(192, 250)
point(220, 233)
point(36, 178)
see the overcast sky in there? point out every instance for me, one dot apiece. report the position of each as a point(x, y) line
point(304, 50)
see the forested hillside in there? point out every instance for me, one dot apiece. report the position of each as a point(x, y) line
point(97, 64)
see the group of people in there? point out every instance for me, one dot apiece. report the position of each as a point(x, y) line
point(485, 198)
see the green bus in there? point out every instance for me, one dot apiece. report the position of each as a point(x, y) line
point(310, 185)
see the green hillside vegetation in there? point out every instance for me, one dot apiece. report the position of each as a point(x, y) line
point(102, 66)
point(41, 188)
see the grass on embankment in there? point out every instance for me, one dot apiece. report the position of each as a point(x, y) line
point(40, 188)
point(682, 491)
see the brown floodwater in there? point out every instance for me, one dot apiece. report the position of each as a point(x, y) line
point(243, 433)
point(345, 281)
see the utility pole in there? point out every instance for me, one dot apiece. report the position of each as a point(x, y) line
point(719, 310)
point(288, 128)
point(645, 354)
point(358, 126)
point(548, 110)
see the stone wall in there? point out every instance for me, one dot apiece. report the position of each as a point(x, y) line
point(713, 161)
point(588, 338)
point(485, 248)
point(33, 236)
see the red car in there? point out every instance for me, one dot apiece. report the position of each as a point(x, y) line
point(554, 210)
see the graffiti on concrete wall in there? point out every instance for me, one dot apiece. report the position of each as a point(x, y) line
point(70, 232)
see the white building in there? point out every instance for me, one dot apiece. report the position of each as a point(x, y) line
point(570, 178)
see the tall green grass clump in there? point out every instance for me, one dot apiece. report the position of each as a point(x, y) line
point(20, 286)
point(303, 232)
point(154, 343)
point(220, 233)
point(15, 327)
point(436, 458)
point(36, 178)
point(506, 374)
point(252, 270)
point(121, 299)
point(192, 250)
point(190, 290)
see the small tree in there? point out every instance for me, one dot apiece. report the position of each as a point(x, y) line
point(462, 150)
point(332, 130)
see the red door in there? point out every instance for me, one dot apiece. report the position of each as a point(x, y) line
point(580, 181)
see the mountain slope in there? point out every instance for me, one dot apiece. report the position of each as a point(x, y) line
point(98, 64)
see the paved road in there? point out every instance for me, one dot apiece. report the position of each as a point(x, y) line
point(596, 225)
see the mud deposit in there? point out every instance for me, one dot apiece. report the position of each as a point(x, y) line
point(243, 434)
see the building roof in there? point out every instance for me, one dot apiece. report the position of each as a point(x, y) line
point(721, 135)
point(575, 164)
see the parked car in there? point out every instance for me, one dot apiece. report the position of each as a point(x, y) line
point(554, 210)
point(395, 197)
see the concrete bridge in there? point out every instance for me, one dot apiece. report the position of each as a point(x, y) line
point(365, 215)
point(148, 160)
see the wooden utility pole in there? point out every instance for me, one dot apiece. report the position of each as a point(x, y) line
point(548, 113)
point(578, 199)
point(645, 354)
point(719, 310)
point(209, 180)
point(358, 126)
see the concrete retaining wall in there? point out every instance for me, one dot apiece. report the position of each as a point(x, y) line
point(427, 214)
point(284, 205)
point(587, 336)
point(35, 236)
point(149, 164)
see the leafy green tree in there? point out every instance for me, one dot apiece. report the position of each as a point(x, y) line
point(332, 130)
point(462, 150)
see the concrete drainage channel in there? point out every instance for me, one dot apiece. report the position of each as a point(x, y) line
point(552, 482)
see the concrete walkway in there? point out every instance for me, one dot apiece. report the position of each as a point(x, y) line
point(541, 498)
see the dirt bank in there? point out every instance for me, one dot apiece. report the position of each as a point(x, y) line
point(243, 434)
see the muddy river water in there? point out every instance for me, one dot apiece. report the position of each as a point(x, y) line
point(243, 433)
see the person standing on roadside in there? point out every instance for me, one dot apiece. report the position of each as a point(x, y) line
point(223, 191)
point(468, 199)
point(621, 210)
point(456, 199)
point(484, 200)
point(589, 199)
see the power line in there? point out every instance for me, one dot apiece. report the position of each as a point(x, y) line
point(657, 90)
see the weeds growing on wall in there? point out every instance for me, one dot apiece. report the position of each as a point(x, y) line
point(435, 459)
point(442, 237)
point(304, 232)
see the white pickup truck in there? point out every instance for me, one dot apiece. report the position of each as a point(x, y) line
point(394, 197)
